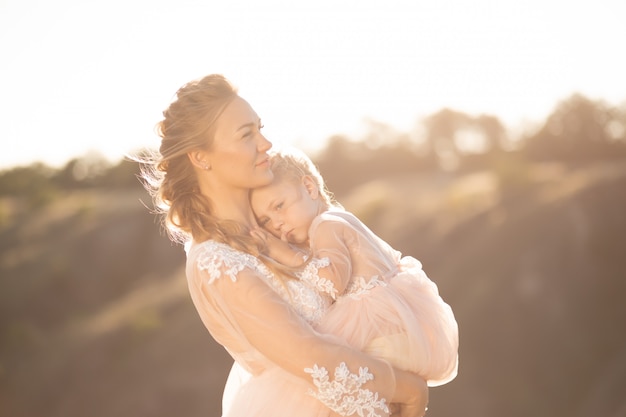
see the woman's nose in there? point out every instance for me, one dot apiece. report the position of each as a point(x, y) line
point(264, 144)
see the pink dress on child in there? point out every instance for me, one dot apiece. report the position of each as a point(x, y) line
point(385, 304)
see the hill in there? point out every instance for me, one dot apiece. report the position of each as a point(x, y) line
point(96, 321)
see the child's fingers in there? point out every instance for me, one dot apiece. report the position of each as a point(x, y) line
point(258, 234)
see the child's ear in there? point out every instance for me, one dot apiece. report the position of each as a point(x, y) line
point(311, 186)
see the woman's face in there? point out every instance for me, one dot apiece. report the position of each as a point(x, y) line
point(238, 157)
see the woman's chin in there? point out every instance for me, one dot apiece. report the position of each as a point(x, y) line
point(263, 180)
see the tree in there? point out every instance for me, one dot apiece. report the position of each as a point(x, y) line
point(578, 129)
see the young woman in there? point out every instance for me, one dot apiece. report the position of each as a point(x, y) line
point(384, 304)
point(212, 154)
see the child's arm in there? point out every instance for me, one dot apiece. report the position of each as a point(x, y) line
point(329, 241)
point(279, 250)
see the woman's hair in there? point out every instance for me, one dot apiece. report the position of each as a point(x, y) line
point(292, 165)
point(189, 124)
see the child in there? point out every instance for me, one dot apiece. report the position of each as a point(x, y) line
point(385, 304)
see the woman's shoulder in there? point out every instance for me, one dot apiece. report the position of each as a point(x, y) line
point(220, 259)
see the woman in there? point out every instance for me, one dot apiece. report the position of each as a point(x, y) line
point(212, 154)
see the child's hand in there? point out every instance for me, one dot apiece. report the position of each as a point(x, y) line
point(279, 250)
point(260, 235)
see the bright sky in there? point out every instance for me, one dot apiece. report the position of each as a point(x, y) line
point(79, 75)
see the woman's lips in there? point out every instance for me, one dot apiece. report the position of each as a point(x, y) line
point(263, 162)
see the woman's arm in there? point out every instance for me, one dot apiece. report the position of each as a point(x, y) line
point(246, 310)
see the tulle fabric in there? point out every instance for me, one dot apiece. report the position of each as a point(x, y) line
point(403, 321)
point(387, 305)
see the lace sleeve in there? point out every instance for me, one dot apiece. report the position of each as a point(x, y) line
point(250, 319)
point(310, 274)
point(220, 260)
point(344, 394)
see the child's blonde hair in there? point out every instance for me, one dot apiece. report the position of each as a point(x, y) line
point(292, 165)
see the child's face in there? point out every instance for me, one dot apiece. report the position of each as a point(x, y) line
point(287, 209)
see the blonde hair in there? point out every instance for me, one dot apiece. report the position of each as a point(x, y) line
point(189, 124)
point(292, 165)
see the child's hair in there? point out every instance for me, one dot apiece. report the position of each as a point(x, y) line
point(292, 165)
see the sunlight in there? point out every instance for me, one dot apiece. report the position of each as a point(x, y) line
point(81, 77)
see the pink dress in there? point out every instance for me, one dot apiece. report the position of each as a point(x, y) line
point(283, 367)
point(385, 304)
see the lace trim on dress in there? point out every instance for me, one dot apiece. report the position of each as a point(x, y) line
point(306, 300)
point(219, 258)
point(360, 286)
point(310, 274)
point(344, 394)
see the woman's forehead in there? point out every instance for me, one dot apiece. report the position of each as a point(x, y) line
point(237, 115)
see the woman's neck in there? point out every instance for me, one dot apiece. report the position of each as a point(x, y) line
point(232, 204)
point(238, 210)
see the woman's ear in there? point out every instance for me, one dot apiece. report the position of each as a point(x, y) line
point(311, 186)
point(199, 159)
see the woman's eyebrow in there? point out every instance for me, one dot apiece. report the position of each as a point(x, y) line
point(245, 125)
point(248, 125)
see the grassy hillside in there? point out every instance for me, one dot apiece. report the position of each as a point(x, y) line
point(95, 319)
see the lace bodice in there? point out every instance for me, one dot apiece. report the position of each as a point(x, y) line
point(265, 322)
point(303, 295)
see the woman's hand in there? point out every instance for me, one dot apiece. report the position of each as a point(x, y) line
point(417, 406)
point(394, 409)
point(411, 398)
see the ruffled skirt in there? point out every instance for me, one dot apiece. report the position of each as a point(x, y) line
point(402, 320)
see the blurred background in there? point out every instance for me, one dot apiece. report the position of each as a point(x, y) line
point(487, 140)
point(526, 243)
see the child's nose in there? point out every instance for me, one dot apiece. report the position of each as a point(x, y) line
point(277, 224)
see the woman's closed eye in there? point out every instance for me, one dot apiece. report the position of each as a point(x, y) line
point(251, 131)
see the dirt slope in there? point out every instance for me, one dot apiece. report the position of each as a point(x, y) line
point(95, 319)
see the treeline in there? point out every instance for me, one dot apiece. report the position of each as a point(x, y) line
point(38, 184)
point(578, 131)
